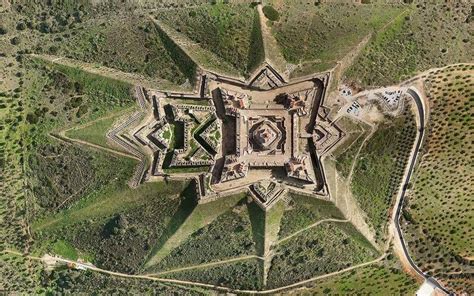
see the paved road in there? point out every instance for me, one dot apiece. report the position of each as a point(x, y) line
point(421, 130)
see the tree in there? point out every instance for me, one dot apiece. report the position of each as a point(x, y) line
point(271, 13)
point(20, 26)
point(15, 40)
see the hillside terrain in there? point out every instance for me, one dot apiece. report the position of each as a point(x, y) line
point(388, 133)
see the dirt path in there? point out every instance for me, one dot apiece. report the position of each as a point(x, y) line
point(173, 281)
point(280, 289)
point(62, 134)
point(211, 264)
point(112, 73)
point(342, 196)
point(349, 176)
point(271, 49)
point(13, 252)
point(89, 123)
point(309, 227)
point(55, 260)
point(62, 137)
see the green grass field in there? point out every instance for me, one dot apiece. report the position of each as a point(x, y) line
point(273, 224)
point(64, 249)
point(95, 132)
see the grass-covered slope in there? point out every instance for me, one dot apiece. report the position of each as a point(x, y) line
point(325, 248)
point(40, 98)
point(118, 227)
point(59, 173)
point(95, 131)
point(74, 193)
point(433, 34)
point(345, 153)
point(106, 36)
point(186, 222)
point(380, 167)
point(126, 42)
point(63, 173)
point(304, 211)
point(316, 37)
point(244, 275)
point(230, 31)
point(228, 236)
point(438, 216)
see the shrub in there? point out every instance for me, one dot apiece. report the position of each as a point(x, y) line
point(81, 111)
point(271, 13)
point(21, 26)
point(15, 40)
point(32, 118)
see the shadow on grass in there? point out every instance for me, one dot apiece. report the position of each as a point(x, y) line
point(257, 219)
point(187, 206)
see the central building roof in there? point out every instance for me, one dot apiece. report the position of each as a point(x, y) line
point(264, 135)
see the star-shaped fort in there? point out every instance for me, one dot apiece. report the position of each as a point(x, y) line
point(264, 135)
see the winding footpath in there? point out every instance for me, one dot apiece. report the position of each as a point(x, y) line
point(205, 265)
point(308, 227)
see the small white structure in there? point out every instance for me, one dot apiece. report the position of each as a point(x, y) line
point(429, 288)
